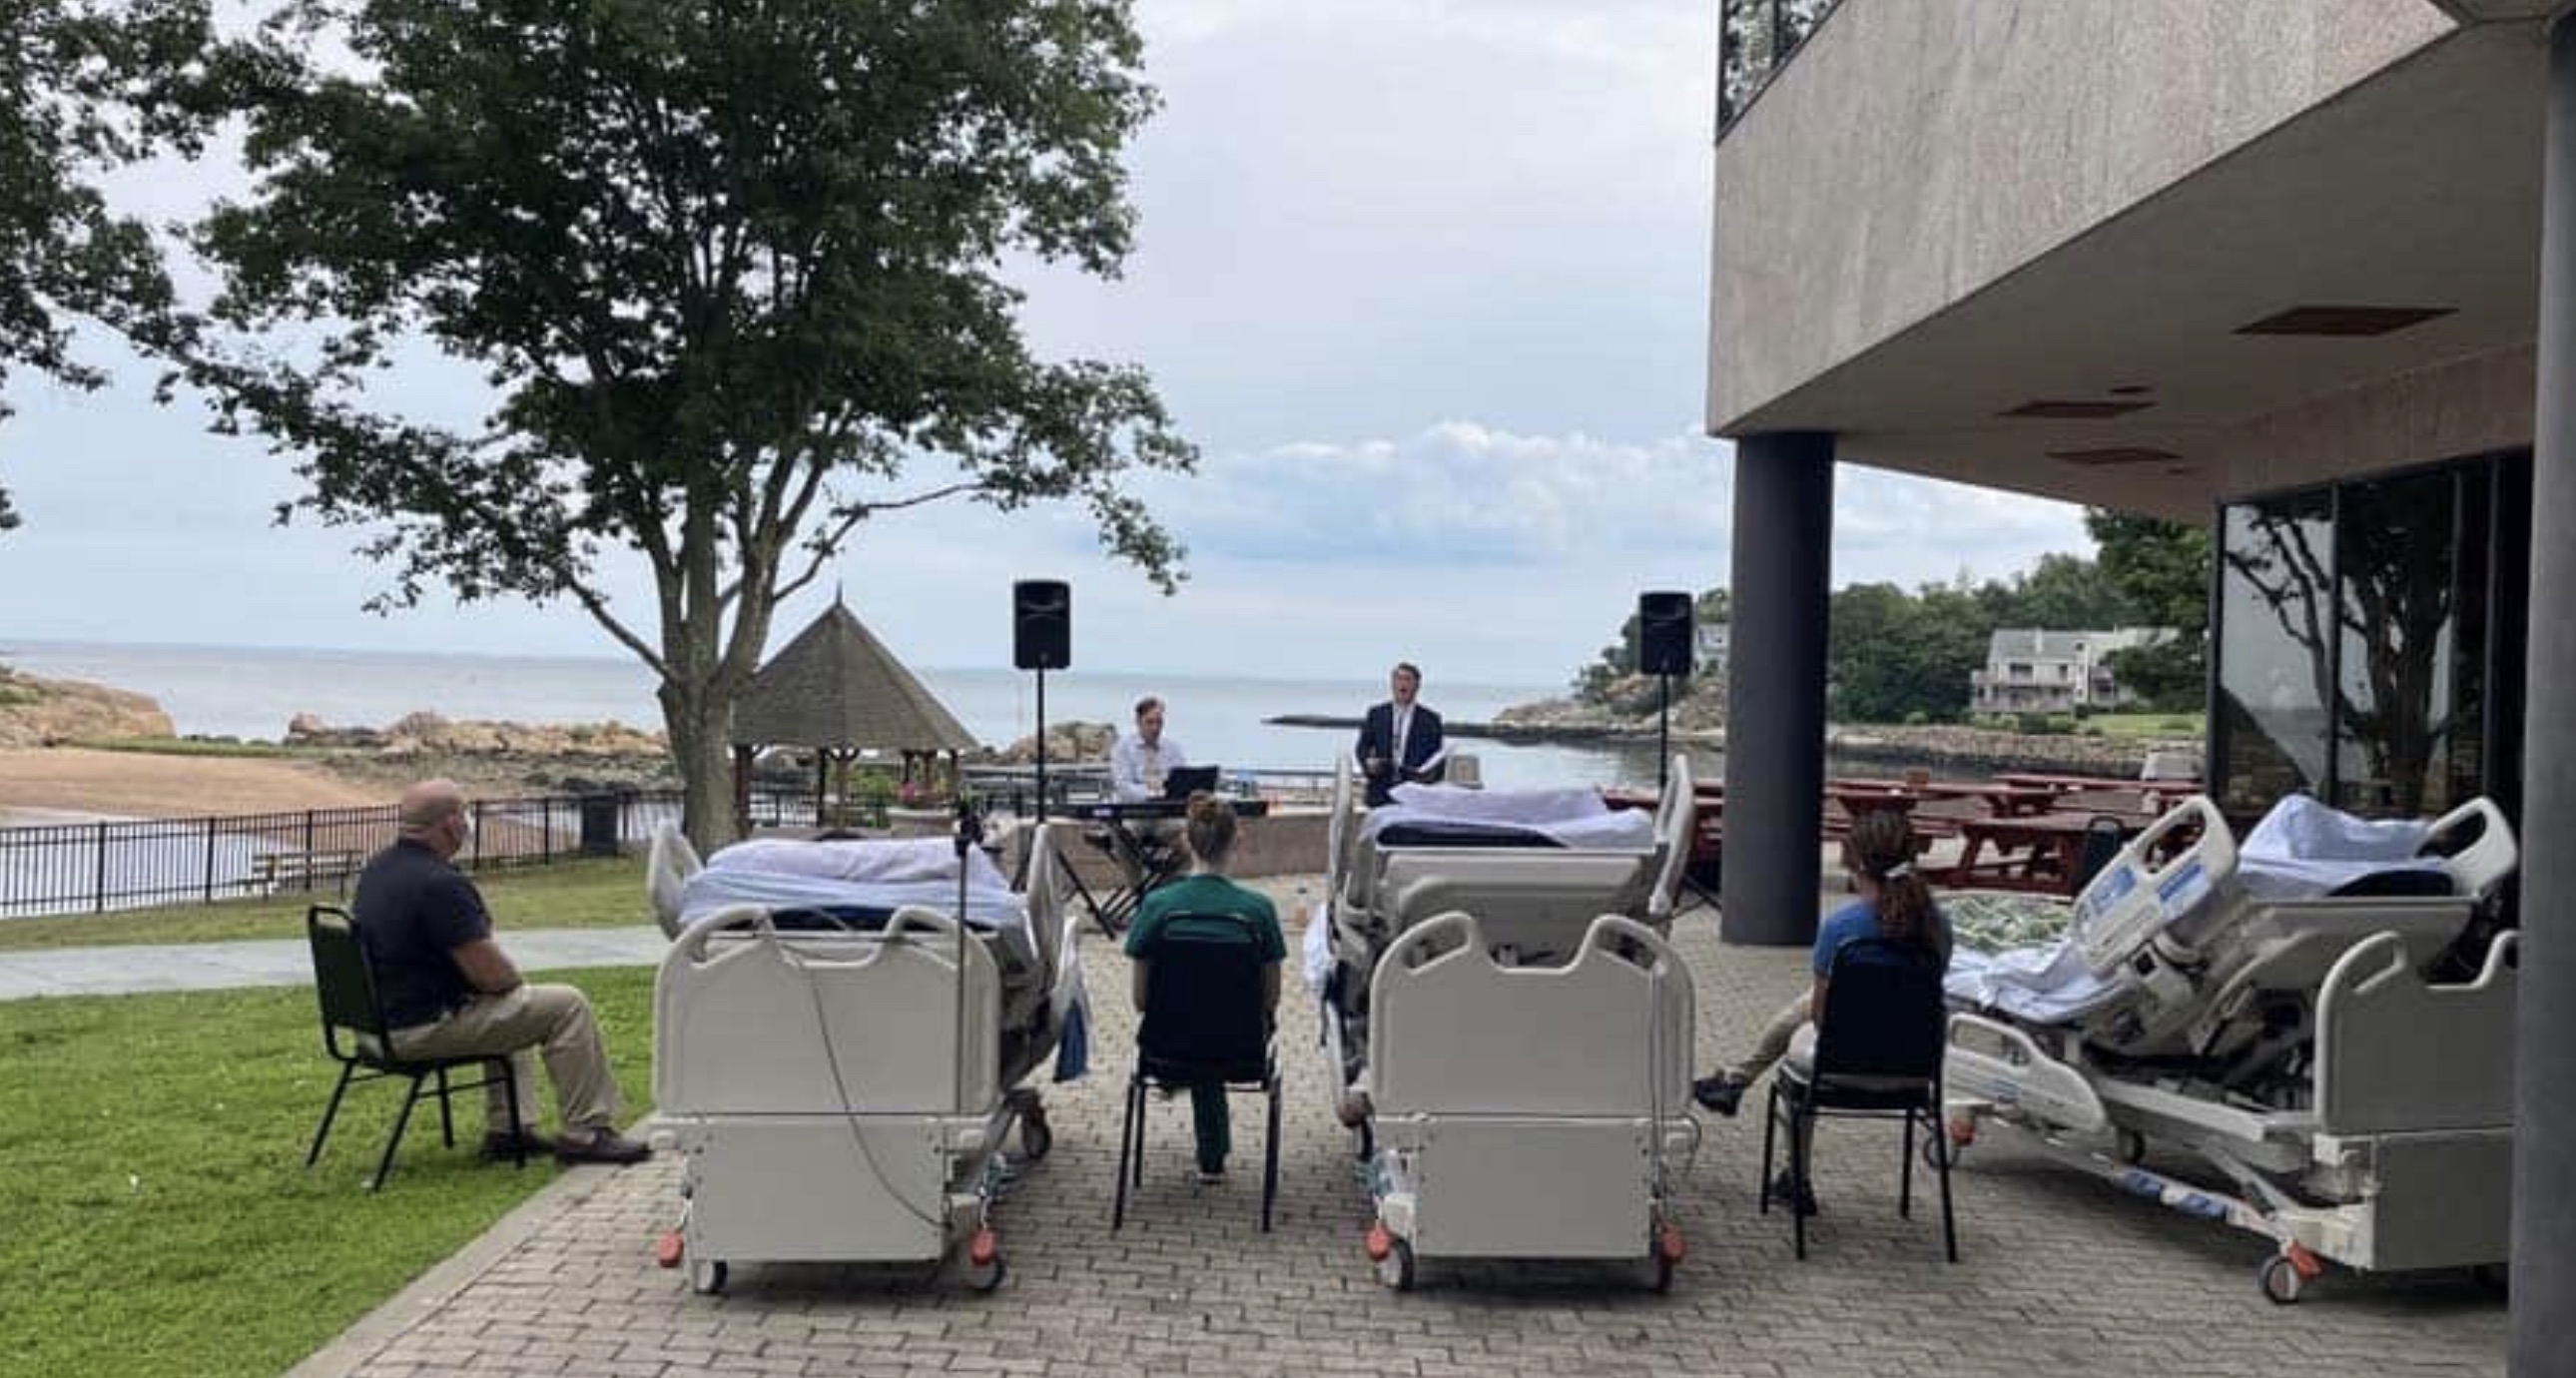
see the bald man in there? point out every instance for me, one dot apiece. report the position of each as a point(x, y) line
point(450, 991)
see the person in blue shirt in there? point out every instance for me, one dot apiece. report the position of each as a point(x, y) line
point(1205, 904)
point(1894, 903)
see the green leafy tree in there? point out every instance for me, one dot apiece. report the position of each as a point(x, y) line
point(1599, 681)
point(732, 272)
point(1891, 654)
point(2162, 569)
point(86, 86)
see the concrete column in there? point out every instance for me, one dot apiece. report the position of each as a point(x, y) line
point(1775, 687)
point(2544, 1188)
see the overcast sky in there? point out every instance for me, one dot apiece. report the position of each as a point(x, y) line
point(1426, 279)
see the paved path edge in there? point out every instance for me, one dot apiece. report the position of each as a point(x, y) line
point(429, 1293)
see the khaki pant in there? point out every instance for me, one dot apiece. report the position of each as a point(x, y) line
point(555, 1020)
point(1774, 1042)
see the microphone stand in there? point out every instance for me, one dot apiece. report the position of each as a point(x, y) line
point(1042, 793)
point(1664, 735)
point(970, 831)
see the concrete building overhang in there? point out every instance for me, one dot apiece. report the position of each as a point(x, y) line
point(2417, 187)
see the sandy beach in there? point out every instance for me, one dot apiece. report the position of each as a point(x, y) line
point(141, 785)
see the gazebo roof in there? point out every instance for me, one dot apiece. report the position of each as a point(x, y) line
point(836, 685)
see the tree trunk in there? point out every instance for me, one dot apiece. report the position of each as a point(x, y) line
point(700, 725)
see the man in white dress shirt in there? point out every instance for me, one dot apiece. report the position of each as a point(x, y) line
point(1140, 760)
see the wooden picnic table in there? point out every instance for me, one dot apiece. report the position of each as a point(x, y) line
point(2043, 852)
point(2004, 800)
point(2038, 852)
point(2158, 795)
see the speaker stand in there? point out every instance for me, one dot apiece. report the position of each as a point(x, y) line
point(1042, 794)
point(1664, 736)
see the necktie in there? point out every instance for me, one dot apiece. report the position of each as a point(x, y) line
point(1403, 723)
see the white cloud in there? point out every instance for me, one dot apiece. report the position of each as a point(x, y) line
point(1427, 278)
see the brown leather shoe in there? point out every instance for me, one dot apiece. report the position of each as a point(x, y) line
point(503, 1147)
point(603, 1146)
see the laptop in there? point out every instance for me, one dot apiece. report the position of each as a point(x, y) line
point(1184, 781)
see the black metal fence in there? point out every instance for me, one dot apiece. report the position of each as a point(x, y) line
point(63, 868)
point(94, 867)
point(1755, 39)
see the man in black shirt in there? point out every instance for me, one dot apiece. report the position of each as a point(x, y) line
point(450, 991)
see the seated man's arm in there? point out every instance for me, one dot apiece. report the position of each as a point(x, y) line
point(1136, 982)
point(487, 968)
point(1270, 986)
point(1126, 771)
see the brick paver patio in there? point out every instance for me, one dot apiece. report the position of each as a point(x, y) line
point(2058, 1273)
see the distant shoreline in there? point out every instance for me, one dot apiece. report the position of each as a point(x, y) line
point(1947, 747)
point(1522, 734)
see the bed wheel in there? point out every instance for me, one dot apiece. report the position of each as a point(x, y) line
point(707, 1276)
point(1396, 1269)
point(1037, 1139)
point(2280, 1280)
point(983, 1278)
point(2130, 1145)
point(1930, 1150)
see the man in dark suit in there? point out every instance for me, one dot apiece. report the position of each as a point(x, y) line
point(1400, 739)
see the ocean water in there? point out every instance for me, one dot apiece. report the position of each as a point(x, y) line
point(252, 693)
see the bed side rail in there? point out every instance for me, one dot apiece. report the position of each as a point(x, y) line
point(749, 1020)
point(2395, 1054)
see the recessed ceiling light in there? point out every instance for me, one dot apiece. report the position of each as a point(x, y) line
point(2125, 454)
point(2044, 409)
point(2343, 321)
point(2131, 390)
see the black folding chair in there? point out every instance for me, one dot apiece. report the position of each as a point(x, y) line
point(1877, 1056)
point(2103, 839)
point(354, 1034)
point(1204, 1023)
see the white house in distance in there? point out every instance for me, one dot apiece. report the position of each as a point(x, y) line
point(1709, 654)
point(2031, 670)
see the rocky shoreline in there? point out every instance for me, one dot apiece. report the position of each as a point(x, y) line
point(50, 712)
point(1697, 721)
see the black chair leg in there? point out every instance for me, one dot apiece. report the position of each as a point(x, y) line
point(1949, 1223)
point(446, 1112)
point(1126, 1145)
point(330, 1112)
point(402, 1121)
point(1270, 1158)
point(1144, 1111)
point(518, 1127)
point(1770, 1131)
point(1905, 1172)
point(1802, 1189)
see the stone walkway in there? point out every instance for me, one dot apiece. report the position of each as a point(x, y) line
point(2059, 1273)
point(280, 962)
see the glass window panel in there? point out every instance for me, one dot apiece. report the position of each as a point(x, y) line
point(2276, 582)
point(2395, 542)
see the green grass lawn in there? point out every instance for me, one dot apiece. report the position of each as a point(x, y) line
point(160, 1219)
point(2175, 726)
point(194, 746)
point(568, 894)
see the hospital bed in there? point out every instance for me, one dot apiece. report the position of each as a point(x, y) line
point(1513, 1031)
point(2277, 1023)
point(842, 1073)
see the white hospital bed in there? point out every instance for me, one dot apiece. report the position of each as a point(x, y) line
point(1512, 1031)
point(844, 1093)
point(2359, 1111)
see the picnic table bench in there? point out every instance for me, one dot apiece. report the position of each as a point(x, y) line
point(271, 872)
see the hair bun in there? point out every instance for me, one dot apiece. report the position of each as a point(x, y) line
point(1203, 805)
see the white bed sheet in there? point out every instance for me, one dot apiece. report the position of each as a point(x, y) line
point(858, 873)
point(1571, 817)
point(2300, 850)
